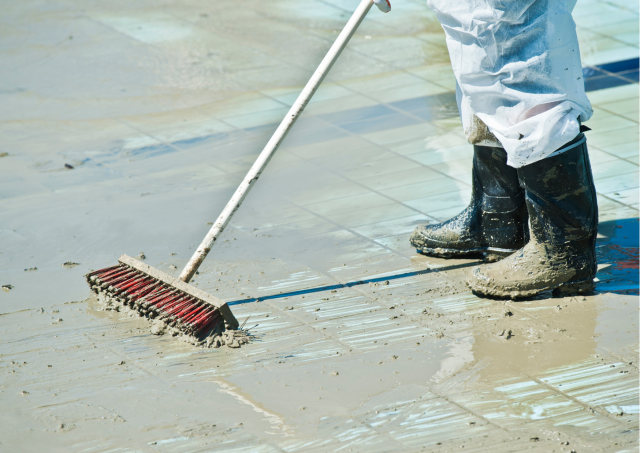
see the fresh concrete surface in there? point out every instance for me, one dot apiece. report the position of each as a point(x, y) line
point(160, 108)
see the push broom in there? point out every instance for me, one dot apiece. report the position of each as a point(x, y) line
point(159, 296)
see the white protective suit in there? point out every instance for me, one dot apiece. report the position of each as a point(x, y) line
point(517, 66)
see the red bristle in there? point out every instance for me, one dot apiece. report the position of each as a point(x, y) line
point(135, 286)
point(191, 305)
point(211, 321)
point(166, 306)
point(161, 291)
point(158, 291)
point(131, 283)
point(109, 271)
point(159, 300)
point(166, 302)
point(198, 317)
point(174, 306)
point(195, 311)
point(189, 310)
point(123, 287)
point(107, 280)
point(202, 315)
point(141, 290)
point(143, 301)
point(115, 275)
point(148, 291)
point(207, 324)
point(102, 271)
point(138, 296)
point(121, 277)
point(206, 321)
point(193, 314)
point(200, 321)
point(180, 305)
point(137, 278)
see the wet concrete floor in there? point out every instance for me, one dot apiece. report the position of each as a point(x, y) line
point(126, 128)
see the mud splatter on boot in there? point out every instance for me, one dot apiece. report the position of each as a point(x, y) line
point(561, 200)
point(493, 226)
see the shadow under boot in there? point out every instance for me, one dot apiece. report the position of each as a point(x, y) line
point(493, 226)
point(563, 211)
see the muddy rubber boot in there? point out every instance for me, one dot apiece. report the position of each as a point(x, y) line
point(493, 226)
point(563, 212)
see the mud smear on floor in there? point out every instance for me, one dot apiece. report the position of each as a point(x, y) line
point(316, 377)
point(383, 367)
point(530, 337)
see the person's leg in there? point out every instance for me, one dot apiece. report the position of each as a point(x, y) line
point(518, 73)
point(494, 224)
point(563, 211)
point(523, 80)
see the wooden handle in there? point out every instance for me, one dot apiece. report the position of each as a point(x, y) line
point(277, 138)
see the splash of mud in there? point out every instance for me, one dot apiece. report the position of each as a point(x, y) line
point(479, 134)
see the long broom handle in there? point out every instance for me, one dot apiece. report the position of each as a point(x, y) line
point(277, 138)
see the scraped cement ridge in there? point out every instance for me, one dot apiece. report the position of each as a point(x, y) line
point(215, 339)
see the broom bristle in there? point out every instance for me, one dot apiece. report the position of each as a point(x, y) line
point(157, 295)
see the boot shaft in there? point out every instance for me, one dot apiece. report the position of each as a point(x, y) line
point(561, 197)
point(495, 222)
point(495, 184)
point(497, 195)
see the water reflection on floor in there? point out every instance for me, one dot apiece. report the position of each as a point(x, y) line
point(359, 343)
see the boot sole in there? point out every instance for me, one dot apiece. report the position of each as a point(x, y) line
point(489, 254)
point(559, 290)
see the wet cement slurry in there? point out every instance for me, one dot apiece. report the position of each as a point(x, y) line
point(159, 112)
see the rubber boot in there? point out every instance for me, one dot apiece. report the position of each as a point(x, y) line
point(563, 211)
point(493, 226)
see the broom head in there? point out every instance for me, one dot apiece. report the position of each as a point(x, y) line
point(157, 295)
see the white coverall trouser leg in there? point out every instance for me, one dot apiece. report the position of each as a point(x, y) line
point(518, 70)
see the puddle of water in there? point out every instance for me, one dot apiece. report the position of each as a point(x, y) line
point(618, 255)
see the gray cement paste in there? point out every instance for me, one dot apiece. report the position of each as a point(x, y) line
point(160, 111)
